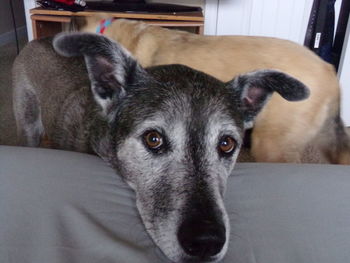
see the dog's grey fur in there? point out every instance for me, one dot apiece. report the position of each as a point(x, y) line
point(182, 182)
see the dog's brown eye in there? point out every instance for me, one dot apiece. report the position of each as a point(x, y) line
point(153, 139)
point(227, 144)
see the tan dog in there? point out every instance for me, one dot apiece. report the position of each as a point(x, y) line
point(283, 129)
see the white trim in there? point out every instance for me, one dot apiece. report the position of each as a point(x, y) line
point(344, 77)
point(8, 37)
point(29, 4)
point(234, 17)
point(211, 17)
point(305, 20)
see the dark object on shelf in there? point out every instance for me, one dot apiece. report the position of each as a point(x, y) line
point(51, 4)
point(139, 6)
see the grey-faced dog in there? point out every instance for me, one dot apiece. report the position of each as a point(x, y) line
point(173, 133)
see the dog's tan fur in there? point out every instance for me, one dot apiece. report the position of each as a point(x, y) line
point(282, 129)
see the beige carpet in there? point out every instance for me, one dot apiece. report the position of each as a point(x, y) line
point(7, 123)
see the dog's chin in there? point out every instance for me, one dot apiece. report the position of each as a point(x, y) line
point(176, 254)
point(184, 258)
point(164, 232)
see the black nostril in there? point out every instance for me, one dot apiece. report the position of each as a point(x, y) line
point(202, 238)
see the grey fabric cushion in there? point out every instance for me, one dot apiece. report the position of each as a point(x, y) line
point(58, 206)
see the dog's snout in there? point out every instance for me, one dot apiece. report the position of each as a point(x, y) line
point(201, 238)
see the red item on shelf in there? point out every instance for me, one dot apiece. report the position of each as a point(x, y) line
point(67, 2)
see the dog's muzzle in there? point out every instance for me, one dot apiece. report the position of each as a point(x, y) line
point(201, 238)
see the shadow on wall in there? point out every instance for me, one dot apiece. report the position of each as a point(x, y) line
point(7, 31)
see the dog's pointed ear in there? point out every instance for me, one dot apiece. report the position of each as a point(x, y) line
point(111, 68)
point(253, 90)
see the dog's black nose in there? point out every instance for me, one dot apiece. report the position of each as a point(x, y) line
point(201, 238)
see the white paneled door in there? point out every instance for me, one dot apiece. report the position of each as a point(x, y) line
point(276, 18)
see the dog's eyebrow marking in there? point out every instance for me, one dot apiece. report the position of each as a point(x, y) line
point(219, 123)
point(174, 129)
point(157, 121)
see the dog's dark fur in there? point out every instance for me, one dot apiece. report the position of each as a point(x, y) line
point(108, 107)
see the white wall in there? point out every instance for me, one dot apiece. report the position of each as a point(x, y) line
point(29, 4)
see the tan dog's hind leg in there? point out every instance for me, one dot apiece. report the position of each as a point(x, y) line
point(279, 149)
point(344, 158)
point(274, 147)
point(334, 141)
point(282, 130)
point(268, 150)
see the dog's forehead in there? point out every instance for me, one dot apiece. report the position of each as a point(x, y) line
point(185, 90)
point(183, 112)
point(181, 115)
point(179, 84)
point(176, 93)
point(184, 76)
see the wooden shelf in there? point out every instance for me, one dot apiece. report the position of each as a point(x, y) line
point(63, 19)
point(48, 22)
point(192, 16)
